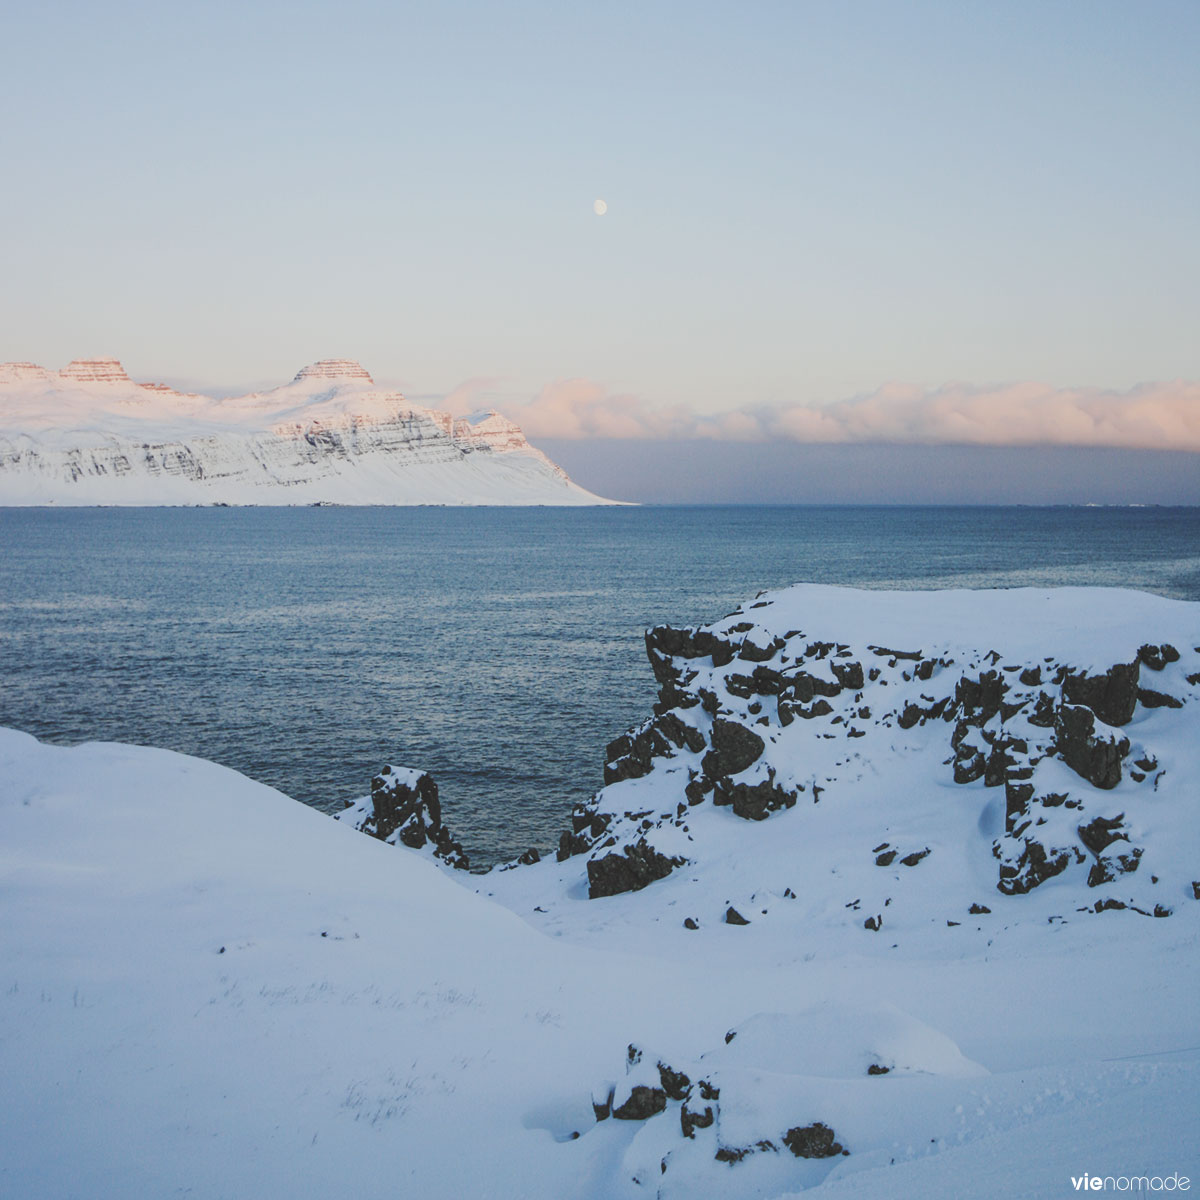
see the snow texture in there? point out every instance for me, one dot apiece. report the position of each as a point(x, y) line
point(90, 435)
point(209, 989)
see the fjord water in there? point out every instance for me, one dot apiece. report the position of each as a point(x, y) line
point(499, 649)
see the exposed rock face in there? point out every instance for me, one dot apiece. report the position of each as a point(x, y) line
point(746, 703)
point(404, 807)
point(95, 370)
point(334, 368)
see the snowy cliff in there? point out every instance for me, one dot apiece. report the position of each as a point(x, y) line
point(905, 763)
point(90, 435)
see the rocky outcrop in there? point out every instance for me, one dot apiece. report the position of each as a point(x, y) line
point(687, 1104)
point(404, 808)
point(745, 703)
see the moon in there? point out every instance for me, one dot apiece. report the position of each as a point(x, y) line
point(599, 208)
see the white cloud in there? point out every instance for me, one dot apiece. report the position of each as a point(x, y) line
point(1152, 416)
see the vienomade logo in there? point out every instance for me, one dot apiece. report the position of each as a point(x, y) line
point(1131, 1183)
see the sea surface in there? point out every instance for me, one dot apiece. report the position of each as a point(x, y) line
point(499, 649)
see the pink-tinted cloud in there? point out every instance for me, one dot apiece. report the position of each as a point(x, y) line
point(1152, 416)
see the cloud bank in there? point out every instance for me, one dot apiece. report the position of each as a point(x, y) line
point(1152, 416)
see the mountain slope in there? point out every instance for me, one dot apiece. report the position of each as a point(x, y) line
point(91, 435)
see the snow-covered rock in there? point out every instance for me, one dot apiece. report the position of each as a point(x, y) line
point(403, 808)
point(90, 435)
point(936, 754)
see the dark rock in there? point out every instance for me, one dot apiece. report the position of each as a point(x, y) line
point(911, 860)
point(732, 1154)
point(604, 1110)
point(976, 909)
point(1016, 803)
point(878, 1069)
point(788, 712)
point(803, 687)
point(631, 756)
point(691, 1119)
point(1111, 696)
point(874, 924)
point(679, 732)
point(886, 858)
point(413, 814)
point(1045, 712)
point(1035, 865)
point(570, 844)
point(1031, 676)
point(1096, 759)
point(812, 1141)
point(1099, 834)
point(675, 1083)
point(753, 801)
point(530, 857)
point(883, 652)
point(1149, 699)
point(734, 748)
point(697, 789)
point(752, 651)
point(970, 768)
point(733, 917)
point(643, 1103)
point(1106, 905)
point(910, 716)
point(849, 675)
point(1196, 889)
point(666, 642)
point(1157, 657)
point(979, 699)
point(628, 871)
point(690, 923)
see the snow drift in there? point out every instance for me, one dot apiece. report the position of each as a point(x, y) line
point(90, 435)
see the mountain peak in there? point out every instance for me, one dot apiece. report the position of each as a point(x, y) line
point(334, 368)
point(95, 370)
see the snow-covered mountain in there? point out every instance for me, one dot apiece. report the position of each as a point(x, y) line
point(90, 435)
point(897, 894)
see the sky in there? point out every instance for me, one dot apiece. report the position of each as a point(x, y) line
point(910, 224)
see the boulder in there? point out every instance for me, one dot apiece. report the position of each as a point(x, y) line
point(630, 870)
point(812, 1141)
point(642, 1103)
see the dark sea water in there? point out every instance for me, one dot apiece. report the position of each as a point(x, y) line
point(499, 649)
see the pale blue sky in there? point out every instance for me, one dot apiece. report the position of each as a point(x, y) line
point(806, 201)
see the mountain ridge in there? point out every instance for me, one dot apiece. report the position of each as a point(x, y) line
point(90, 434)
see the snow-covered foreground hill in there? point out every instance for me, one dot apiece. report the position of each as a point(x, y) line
point(211, 990)
point(90, 435)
